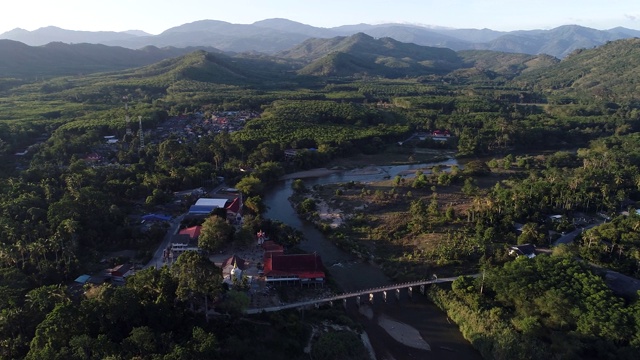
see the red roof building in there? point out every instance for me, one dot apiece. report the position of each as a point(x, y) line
point(271, 248)
point(295, 267)
point(193, 232)
point(93, 157)
point(234, 209)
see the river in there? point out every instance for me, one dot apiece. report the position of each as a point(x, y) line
point(351, 274)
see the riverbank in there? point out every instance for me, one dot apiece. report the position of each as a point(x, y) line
point(313, 173)
point(351, 273)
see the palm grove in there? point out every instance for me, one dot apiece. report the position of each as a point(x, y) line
point(555, 139)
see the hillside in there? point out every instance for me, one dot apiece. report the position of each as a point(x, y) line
point(204, 67)
point(360, 53)
point(607, 72)
point(504, 63)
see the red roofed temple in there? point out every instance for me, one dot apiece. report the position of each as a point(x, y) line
point(306, 268)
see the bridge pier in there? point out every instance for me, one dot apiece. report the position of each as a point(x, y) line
point(331, 303)
point(398, 294)
point(410, 291)
point(371, 298)
point(422, 289)
point(358, 300)
point(344, 303)
point(384, 295)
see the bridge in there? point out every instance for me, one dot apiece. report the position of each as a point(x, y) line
point(385, 290)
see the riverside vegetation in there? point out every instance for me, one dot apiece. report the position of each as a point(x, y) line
point(539, 138)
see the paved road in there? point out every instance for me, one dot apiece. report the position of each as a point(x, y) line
point(568, 238)
point(156, 260)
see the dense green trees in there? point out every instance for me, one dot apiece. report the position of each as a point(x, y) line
point(542, 307)
point(215, 233)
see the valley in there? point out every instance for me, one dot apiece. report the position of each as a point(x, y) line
point(408, 160)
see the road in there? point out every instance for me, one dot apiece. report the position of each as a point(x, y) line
point(568, 238)
point(157, 261)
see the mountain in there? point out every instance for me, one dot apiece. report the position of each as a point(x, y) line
point(205, 67)
point(56, 58)
point(471, 35)
point(607, 72)
point(558, 42)
point(275, 35)
point(289, 26)
point(220, 35)
point(361, 53)
point(49, 34)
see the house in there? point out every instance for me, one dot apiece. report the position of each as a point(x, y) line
point(234, 210)
point(193, 232)
point(527, 250)
point(82, 279)
point(181, 243)
point(93, 157)
point(121, 271)
point(303, 268)
point(555, 218)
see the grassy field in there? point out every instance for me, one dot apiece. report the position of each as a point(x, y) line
point(376, 223)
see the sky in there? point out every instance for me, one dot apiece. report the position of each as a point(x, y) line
point(155, 16)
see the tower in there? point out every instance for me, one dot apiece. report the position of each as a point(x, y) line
point(140, 132)
point(126, 117)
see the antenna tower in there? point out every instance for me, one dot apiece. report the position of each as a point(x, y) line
point(126, 116)
point(140, 133)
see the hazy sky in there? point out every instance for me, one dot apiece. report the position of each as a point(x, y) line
point(155, 16)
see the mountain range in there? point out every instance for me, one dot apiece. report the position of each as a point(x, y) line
point(276, 35)
point(57, 58)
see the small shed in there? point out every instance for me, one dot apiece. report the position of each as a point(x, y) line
point(82, 279)
point(527, 250)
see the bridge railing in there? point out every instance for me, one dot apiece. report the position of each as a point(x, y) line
point(353, 294)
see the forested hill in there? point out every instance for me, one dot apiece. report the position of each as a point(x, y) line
point(508, 64)
point(608, 72)
point(55, 59)
point(361, 53)
point(203, 66)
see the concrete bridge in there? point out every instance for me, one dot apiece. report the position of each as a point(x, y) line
point(390, 290)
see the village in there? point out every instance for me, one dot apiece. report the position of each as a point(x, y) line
point(257, 269)
point(185, 127)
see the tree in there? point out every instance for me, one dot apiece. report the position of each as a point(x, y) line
point(215, 233)
point(250, 185)
point(235, 302)
point(197, 277)
point(534, 234)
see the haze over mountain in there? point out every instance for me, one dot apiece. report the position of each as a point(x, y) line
point(274, 35)
point(57, 58)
